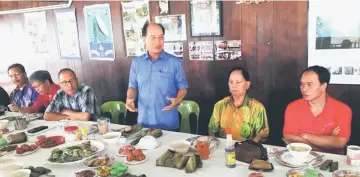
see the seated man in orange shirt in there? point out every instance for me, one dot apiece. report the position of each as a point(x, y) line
point(317, 119)
point(44, 85)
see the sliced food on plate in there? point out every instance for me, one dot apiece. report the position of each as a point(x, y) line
point(25, 149)
point(115, 169)
point(99, 160)
point(123, 150)
point(74, 152)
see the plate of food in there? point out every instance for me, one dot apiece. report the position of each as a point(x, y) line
point(135, 156)
point(304, 173)
point(7, 149)
point(130, 132)
point(50, 141)
point(25, 149)
point(116, 169)
point(346, 173)
point(7, 130)
point(75, 152)
point(70, 129)
point(123, 150)
point(33, 116)
point(285, 158)
point(83, 173)
point(99, 160)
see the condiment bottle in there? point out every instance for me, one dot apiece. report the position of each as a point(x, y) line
point(229, 150)
point(78, 135)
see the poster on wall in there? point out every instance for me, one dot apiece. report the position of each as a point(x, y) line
point(205, 18)
point(164, 7)
point(201, 50)
point(334, 39)
point(174, 48)
point(36, 31)
point(175, 27)
point(99, 32)
point(67, 33)
point(134, 15)
point(228, 50)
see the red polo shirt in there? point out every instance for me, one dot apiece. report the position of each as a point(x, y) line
point(44, 100)
point(300, 119)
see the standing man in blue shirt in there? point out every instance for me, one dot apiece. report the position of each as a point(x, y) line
point(158, 81)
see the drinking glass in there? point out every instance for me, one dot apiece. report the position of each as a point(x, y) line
point(103, 125)
point(203, 149)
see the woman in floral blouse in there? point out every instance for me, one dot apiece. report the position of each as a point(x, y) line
point(244, 115)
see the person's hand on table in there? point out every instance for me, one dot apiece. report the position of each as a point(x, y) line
point(130, 105)
point(13, 107)
point(171, 106)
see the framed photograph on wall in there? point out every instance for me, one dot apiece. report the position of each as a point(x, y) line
point(205, 18)
point(164, 7)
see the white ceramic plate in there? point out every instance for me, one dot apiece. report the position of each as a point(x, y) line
point(11, 129)
point(7, 159)
point(341, 173)
point(99, 145)
point(25, 153)
point(101, 155)
point(134, 162)
point(11, 167)
point(302, 172)
point(20, 173)
point(73, 174)
point(42, 131)
point(285, 158)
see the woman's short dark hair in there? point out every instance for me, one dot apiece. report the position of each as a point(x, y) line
point(244, 72)
point(17, 65)
point(322, 72)
point(146, 25)
point(41, 76)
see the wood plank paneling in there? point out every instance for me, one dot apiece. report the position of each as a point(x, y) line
point(274, 37)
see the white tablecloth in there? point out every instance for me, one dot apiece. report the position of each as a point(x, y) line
point(213, 167)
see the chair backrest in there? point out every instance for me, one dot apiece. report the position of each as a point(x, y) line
point(114, 108)
point(185, 108)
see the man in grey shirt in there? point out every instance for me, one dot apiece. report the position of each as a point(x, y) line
point(72, 102)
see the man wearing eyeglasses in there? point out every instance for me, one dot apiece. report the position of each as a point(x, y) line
point(42, 82)
point(24, 95)
point(72, 102)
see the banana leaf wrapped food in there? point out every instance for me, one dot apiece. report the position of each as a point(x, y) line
point(17, 138)
point(161, 161)
point(191, 165)
point(181, 161)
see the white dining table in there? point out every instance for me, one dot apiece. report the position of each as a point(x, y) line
point(212, 167)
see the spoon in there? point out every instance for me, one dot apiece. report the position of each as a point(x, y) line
point(286, 142)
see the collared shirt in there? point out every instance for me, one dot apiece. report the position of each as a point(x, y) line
point(24, 97)
point(155, 81)
point(44, 100)
point(248, 121)
point(84, 100)
point(299, 118)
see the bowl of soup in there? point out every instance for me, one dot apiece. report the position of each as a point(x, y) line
point(299, 150)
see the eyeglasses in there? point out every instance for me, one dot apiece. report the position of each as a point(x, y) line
point(69, 82)
point(37, 86)
point(14, 75)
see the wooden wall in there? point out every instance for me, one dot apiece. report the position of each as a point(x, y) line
point(274, 37)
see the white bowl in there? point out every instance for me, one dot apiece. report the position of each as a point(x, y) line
point(111, 137)
point(20, 173)
point(148, 142)
point(4, 124)
point(300, 152)
point(181, 146)
point(11, 167)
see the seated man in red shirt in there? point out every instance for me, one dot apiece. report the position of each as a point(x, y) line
point(317, 119)
point(44, 85)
